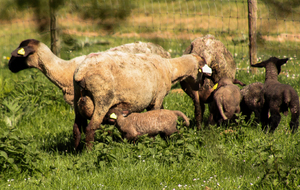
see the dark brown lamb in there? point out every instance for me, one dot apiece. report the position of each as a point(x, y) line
point(250, 100)
point(154, 122)
point(226, 101)
point(219, 59)
point(276, 98)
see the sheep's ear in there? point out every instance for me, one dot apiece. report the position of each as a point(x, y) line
point(236, 81)
point(189, 49)
point(282, 61)
point(261, 64)
point(22, 51)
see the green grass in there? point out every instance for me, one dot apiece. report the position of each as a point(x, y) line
point(36, 141)
point(38, 128)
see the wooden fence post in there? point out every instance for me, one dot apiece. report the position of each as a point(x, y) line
point(53, 30)
point(252, 17)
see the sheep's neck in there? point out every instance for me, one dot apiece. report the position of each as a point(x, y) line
point(271, 72)
point(183, 67)
point(59, 71)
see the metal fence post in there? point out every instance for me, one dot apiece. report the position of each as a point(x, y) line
point(252, 17)
point(53, 30)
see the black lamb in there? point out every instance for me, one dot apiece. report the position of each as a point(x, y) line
point(276, 98)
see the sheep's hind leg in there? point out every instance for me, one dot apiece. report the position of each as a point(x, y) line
point(274, 120)
point(90, 134)
point(77, 129)
point(294, 123)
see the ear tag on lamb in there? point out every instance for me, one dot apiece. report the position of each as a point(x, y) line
point(113, 116)
point(21, 51)
point(215, 86)
point(200, 70)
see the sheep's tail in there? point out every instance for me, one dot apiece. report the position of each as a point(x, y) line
point(220, 107)
point(180, 114)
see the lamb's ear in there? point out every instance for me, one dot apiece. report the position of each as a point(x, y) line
point(22, 51)
point(236, 81)
point(282, 61)
point(261, 64)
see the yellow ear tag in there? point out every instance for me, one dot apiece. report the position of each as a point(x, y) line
point(21, 51)
point(113, 116)
point(200, 70)
point(215, 86)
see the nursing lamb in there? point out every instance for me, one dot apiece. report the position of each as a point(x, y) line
point(153, 122)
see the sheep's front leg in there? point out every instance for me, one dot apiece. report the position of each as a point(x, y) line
point(79, 123)
point(199, 106)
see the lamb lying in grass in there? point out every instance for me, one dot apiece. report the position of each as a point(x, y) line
point(132, 82)
point(276, 98)
point(154, 122)
point(32, 53)
point(219, 59)
point(251, 100)
point(226, 101)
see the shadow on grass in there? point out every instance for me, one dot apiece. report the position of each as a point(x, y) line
point(63, 142)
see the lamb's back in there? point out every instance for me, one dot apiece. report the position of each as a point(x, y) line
point(152, 121)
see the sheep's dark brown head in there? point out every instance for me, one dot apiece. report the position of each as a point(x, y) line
point(19, 56)
point(272, 61)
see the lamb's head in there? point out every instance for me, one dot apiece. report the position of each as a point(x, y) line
point(113, 113)
point(24, 56)
point(272, 63)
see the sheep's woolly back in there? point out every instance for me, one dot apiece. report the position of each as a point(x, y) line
point(141, 47)
point(95, 62)
point(216, 56)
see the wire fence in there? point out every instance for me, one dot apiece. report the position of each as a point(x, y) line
point(172, 24)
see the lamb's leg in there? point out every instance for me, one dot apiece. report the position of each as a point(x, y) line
point(211, 119)
point(274, 119)
point(78, 124)
point(263, 117)
point(294, 123)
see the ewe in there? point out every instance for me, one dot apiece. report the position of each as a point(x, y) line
point(219, 59)
point(32, 53)
point(126, 81)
